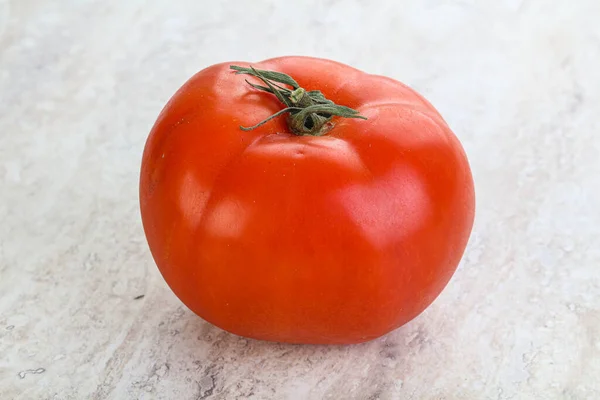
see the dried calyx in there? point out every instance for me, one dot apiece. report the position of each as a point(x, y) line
point(309, 112)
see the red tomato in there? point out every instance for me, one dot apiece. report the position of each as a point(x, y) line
point(338, 238)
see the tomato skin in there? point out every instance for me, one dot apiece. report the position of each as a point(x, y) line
point(330, 239)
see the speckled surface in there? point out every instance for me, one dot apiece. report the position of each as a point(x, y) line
point(81, 83)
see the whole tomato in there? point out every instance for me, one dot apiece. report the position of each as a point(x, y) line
point(316, 226)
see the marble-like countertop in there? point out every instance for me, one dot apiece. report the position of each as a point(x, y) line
point(81, 83)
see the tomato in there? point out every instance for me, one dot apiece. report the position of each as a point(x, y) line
point(334, 236)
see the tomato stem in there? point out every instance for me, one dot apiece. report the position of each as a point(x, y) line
point(310, 113)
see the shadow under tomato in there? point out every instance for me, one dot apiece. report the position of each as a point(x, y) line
point(230, 365)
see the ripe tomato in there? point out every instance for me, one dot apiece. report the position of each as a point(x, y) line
point(268, 234)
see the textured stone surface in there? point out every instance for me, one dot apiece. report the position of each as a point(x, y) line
point(81, 82)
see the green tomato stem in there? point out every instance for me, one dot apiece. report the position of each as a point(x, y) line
point(310, 113)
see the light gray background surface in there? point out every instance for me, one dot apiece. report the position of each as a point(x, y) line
point(81, 83)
